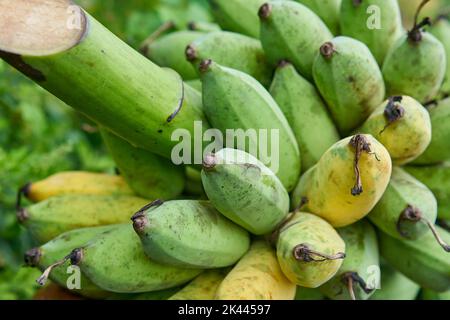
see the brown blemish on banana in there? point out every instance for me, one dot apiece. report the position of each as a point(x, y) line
point(394, 111)
point(304, 253)
point(17, 62)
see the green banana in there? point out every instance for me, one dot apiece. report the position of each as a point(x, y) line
point(438, 150)
point(437, 178)
point(50, 258)
point(115, 261)
point(244, 190)
point(347, 182)
point(235, 100)
point(433, 295)
point(415, 65)
point(281, 22)
point(49, 218)
point(189, 233)
point(152, 295)
point(232, 50)
point(349, 79)
point(407, 210)
point(196, 84)
point(306, 113)
point(308, 294)
point(403, 126)
point(203, 287)
point(327, 10)
point(441, 29)
point(395, 286)
point(149, 175)
point(421, 260)
point(359, 275)
point(309, 250)
point(237, 15)
point(203, 26)
point(168, 51)
point(377, 23)
point(194, 185)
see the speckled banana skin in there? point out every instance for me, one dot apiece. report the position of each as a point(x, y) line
point(406, 137)
point(328, 185)
point(191, 234)
point(362, 259)
point(257, 276)
point(49, 218)
point(404, 191)
point(246, 192)
point(235, 100)
point(349, 79)
point(422, 260)
point(354, 19)
point(310, 230)
point(115, 261)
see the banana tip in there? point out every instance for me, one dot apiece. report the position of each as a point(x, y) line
point(76, 256)
point(265, 11)
point(22, 215)
point(139, 222)
point(327, 50)
point(205, 65)
point(191, 53)
point(209, 162)
point(32, 257)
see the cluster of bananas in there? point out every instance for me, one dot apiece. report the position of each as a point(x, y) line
point(363, 171)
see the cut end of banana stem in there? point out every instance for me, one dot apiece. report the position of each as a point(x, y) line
point(32, 257)
point(205, 65)
point(393, 111)
point(360, 144)
point(265, 11)
point(416, 34)
point(22, 215)
point(304, 253)
point(75, 257)
point(411, 214)
point(24, 190)
point(327, 50)
point(283, 63)
point(191, 53)
point(38, 28)
point(209, 162)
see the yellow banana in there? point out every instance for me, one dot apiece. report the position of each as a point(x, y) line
point(203, 287)
point(76, 182)
point(257, 276)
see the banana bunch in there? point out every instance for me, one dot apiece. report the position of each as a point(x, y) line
point(357, 206)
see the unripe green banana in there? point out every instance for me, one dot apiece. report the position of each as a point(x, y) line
point(244, 190)
point(49, 218)
point(203, 26)
point(438, 150)
point(168, 51)
point(359, 275)
point(437, 178)
point(433, 295)
point(50, 258)
point(306, 113)
point(115, 261)
point(194, 185)
point(347, 182)
point(232, 50)
point(441, 30)
point(234, 100)
point(377, 23)
point(421, 260)
point(196, 84)
point(415, 65)
point(308, 294)
point(189, 233)
point(309, 250)
point(149, 175)
point(402, 125)
point(327, 10)
point(289, 30)
point(237, 15)
point(407, 210)
point(395, 286)
point(349, 79)
point(203, 287)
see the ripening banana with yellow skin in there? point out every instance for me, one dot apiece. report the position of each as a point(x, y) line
point(403, 126)
point(76, 182)
point(257, 276)
point(54, 216)
point(203, 287)
point(347, 182)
